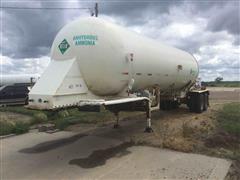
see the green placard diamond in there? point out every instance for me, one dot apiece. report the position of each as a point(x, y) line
point(63, 46)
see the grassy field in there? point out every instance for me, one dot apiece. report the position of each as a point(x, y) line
point(227, 133)
point(222, 84)
point(61, 119)
point(226, 141)
point(229, 119)
point(16, 128)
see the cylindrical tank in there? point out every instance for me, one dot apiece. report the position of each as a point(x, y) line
point(110, 58)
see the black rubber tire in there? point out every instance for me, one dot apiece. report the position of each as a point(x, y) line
point(191, 103)
point(162, 105)
point(200, 103)
point(26, 101)
point(205, 102)
point(175, 104)
point(166, 105)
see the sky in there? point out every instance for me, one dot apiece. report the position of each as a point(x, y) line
point(210, 30)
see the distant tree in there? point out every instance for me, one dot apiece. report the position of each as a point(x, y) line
point(218, 79)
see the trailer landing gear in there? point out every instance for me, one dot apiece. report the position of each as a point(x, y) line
point(142, 104)
point(116, 125)
point(148, 128)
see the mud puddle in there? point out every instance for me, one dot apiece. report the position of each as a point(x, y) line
point(50, 145)
point(99, 157)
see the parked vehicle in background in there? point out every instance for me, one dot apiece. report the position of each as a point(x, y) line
point(14, 89)
point(14, 94)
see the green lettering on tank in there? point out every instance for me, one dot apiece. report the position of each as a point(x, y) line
point(85, 40)
point(63, 46)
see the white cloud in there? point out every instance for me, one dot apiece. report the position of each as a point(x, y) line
point(219, 60)
point(5, 60)
point(215, 51)
point(184, 30)
point(23, 66)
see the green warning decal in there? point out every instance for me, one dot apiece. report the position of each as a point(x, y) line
point(63, 46)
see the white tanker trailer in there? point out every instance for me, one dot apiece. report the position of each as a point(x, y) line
point(96, 63)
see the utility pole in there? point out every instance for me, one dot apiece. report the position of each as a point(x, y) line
point(96, 10)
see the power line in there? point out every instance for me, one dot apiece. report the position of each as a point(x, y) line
point(96, 9)
point(47, 8)
point(93, 12)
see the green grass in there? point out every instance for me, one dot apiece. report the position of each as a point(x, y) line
point(36, 115)
point(21, 128)
point(229, 118)
point(10, 128)
point(19, 109)
point(61, 119)
point(6, 128)
point(39, 117)
point(222, 84)
point(74, 116)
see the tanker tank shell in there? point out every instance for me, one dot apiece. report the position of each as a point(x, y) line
point(106, 65)
point(92, 58)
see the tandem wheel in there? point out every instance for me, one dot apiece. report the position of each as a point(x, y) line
point(198, 102)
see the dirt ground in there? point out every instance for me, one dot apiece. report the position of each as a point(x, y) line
point(180, 129)
point(174, 129)
point(177, 129)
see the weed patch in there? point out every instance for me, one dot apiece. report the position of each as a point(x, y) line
point(229, 119)
point(39, 118)
point(226, 139)
point(21, 128)
point(62, 123)
point(6, 128)
point(9, 128)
